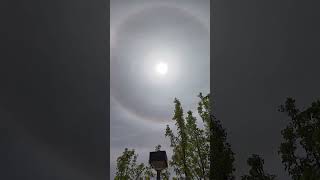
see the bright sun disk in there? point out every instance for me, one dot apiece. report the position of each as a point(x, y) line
point(162, 68)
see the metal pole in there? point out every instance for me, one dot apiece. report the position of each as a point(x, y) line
point(158, 175)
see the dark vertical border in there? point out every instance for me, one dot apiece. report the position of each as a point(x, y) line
point(107, 44)
point(212, 57)
point(54, 90)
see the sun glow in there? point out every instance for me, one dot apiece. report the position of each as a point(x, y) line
point(162, 68)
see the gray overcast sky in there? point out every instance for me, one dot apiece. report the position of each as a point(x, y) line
point(265, 51)
point(142, 34)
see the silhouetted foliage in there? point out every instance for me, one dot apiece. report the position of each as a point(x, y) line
point(300, 151)
point(221, 156)
point(256, 171)
point(192, 155)
point(180, 143)
point(127, 167)
point(203, 153)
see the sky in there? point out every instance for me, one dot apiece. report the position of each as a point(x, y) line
point(264, 52)
point(144, 33)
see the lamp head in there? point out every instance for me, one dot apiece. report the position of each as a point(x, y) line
point(158, 160)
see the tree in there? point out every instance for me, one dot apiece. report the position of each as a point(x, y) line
point(199, 148)
point(148, 173)
point(192, 156)
point(127, 167)
point(198, 153)
point(300, 151)
point(180, 160)
point(256, 171)
point(221, 156)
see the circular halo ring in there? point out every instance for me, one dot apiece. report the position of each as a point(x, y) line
point(113, 43)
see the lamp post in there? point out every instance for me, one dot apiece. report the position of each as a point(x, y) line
point(158, 161)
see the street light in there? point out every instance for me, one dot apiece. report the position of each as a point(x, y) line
point(158, 161)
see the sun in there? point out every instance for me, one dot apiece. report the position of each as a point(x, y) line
point(162, 68)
